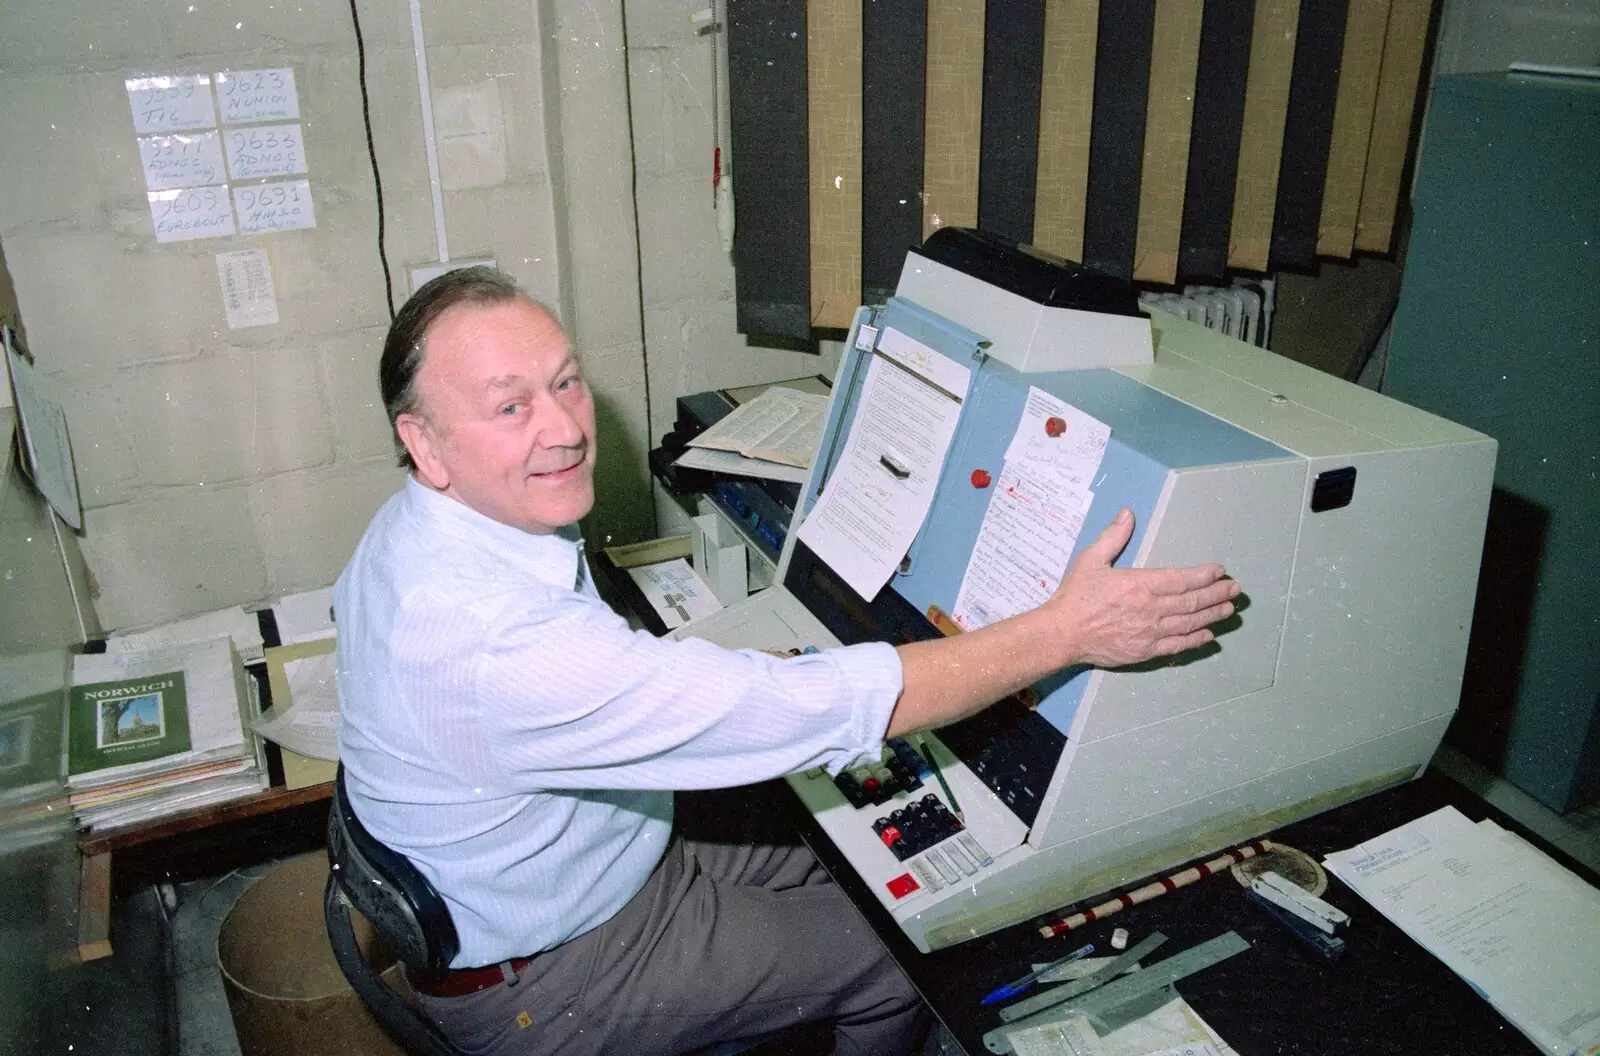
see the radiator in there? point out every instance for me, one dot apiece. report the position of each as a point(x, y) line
point(1243, 310)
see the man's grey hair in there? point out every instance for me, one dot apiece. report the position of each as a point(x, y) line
point(404, 348)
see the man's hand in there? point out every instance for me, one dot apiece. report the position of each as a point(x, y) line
point(1110, 617)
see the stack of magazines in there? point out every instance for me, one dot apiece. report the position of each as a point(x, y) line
point(157, 730)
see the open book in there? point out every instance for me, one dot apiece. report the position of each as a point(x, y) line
point(781, 425)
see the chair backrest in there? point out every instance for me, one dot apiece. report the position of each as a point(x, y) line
point(389, 891)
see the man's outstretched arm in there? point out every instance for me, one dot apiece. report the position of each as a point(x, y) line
point(1099, 615)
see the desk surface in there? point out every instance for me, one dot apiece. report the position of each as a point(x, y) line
point(1385, 995)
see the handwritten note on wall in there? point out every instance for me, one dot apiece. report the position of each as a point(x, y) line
point(185, 159)
point(257, 95)
point(265, 150)
point(191, 212)
point(170, 103)
point(187, 162)
point(282, 206)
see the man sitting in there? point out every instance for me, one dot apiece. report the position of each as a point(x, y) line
point(507, 733)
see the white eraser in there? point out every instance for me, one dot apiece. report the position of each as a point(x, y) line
point(1119, 939)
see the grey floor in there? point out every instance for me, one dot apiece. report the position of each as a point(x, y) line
point(126, 1013)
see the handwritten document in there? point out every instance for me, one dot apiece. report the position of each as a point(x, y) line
point(266, 150)
point(1055, 437)
point(183, 159)
point(257, 95)
point(170, 103)
point(1499, 913)
point(282, 206)
point(879, 493)
point(1035, 513)
point(191, 212)
point(1028, 533)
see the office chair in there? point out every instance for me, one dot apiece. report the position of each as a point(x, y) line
point(412, 918)
point(407, 913)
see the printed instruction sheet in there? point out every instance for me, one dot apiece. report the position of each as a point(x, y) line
point(879, 492)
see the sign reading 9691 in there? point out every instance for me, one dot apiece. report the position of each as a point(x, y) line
point(281, 206)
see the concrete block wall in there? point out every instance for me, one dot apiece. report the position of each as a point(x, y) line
point(227, 466)
point(686, 278)
point(224, 466)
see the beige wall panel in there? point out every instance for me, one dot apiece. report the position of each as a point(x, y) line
point(1364, 29)
point(1174, 55)
point(1391, 122)
point(1066, 107)
point(833, 119)
point(1266, 103)
point(954, 121)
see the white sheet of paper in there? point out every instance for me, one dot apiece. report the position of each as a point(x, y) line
point(183, 159)
point(170, 103)
point(257, 95)
point(46, 445)
point(308, 722)
point(1023, 546)
point(880, 491)
point(306, 617)
point(1072, 1036)
point(933, 365)
point(1497, 914)
point(676, 591)
point(736, 464)
point(1073, 454)
point(1173, 1029)
point(242, 627)
point(282, 206)
point(192, 212)
point(247, 294)
point(265, 150)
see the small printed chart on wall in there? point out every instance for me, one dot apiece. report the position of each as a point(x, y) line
point(214, 148)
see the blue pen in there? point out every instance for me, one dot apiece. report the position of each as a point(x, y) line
point(1013, 989)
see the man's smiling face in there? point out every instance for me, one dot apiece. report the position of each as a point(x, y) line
point(506, 422)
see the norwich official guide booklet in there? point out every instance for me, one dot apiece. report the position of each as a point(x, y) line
point(134, 720)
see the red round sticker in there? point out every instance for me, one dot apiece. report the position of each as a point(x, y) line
point(1054, 426)
point(980, 478)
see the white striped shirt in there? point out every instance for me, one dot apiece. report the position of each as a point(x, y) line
point(504, 730)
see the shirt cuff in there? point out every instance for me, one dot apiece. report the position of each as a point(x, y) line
point(873, 672)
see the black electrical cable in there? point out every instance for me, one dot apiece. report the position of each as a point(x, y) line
point(372, 153)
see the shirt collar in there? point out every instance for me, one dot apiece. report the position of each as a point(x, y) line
point(553, 559)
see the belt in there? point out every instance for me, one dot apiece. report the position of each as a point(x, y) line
point(464, 981)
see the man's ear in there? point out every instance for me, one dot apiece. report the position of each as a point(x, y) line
point(418, 436)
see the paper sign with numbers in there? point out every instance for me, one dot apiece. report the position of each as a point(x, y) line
point(257, 95)
point(246, 277)
point(193, 212)
point(282, 206)
point(187, 159)
point(265, 150)
point(170, 104)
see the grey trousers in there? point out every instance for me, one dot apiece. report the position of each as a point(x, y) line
point(737, 934)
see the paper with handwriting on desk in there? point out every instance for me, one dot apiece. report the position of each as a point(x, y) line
point(1499, 913)
point(879, 492)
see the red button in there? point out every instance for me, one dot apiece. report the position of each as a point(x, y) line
point(1054, 426)
point(889, 836)
point(981, 478)
point(903, 885)
point(871, 784)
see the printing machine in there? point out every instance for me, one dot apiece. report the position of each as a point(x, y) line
point(1353, 523)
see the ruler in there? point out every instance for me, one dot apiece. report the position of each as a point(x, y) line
point(1096, 1003)
point(1104, 974)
